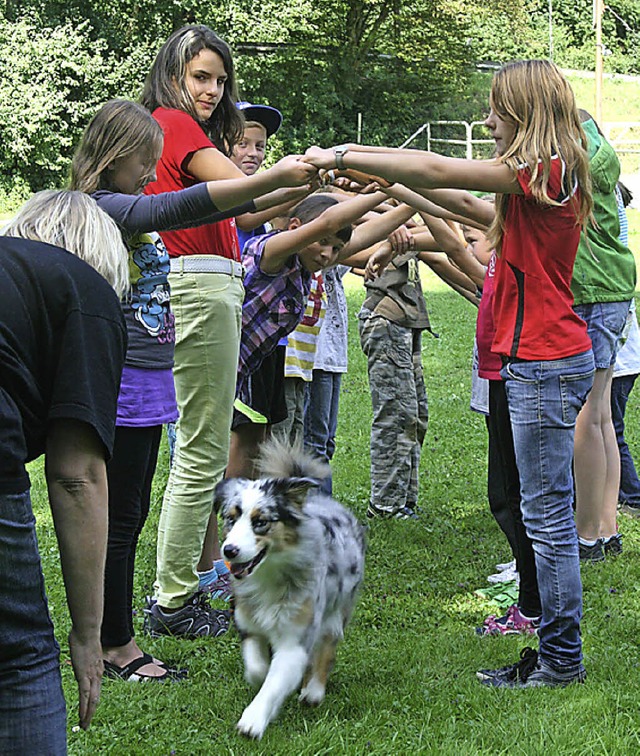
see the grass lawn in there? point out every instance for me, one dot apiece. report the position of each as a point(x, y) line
point(404, 680)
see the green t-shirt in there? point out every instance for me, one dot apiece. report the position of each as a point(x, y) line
point(605, 269)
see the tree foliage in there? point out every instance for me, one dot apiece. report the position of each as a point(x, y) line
point(331, 67)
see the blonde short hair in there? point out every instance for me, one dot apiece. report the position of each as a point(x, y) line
point(73, 221)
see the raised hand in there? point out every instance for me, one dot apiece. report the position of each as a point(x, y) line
point(295, 170)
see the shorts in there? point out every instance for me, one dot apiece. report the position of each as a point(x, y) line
point(606, 323)
point(262, 400)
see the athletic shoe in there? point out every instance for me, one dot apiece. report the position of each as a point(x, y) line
point(613, 545)
point(196, 619)
point(593, 552)
point(506, 576)
point(220, 588)
point(502, 566)
point(629, 509)
point(406, 513)
point(512, 623)
point(530, 672)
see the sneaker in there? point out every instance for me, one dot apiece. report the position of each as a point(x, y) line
point(196, 619)
point(506, 576)
point(613, 545)
point(629, 509)
point(512, 623)
point(406, 513)
point(220, 588)
point(530, 672)
point(505, 676)
point(592, 553)
point(502, 566)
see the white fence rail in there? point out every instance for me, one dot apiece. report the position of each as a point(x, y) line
point(472, 139)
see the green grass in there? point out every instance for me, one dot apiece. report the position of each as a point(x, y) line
point(404, 679)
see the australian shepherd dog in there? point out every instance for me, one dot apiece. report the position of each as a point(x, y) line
point(297, 561)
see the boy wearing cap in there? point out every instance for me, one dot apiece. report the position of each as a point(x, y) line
point(261, 122)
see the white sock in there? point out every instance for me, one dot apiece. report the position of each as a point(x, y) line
point(585, 542)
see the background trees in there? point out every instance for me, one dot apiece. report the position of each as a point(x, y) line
point(387, 65)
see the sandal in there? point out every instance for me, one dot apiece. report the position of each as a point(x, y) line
point(130, 671)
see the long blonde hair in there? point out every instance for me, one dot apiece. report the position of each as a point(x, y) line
point(118, 130)
point(73, 221)
point(535, 96)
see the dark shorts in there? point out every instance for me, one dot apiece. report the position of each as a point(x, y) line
point(262, 401)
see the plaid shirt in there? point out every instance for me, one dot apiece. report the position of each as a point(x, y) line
point(273, 305)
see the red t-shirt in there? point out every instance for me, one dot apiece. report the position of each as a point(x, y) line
point(183, 137)
point(533, 304)
point(489, 363)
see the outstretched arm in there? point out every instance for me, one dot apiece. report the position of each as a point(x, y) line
point(281, 246)
point(415, 168)
point(76, 476)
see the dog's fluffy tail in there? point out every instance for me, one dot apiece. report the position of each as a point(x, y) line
point(281, 460)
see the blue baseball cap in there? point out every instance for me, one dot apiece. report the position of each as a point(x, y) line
point(269, 117)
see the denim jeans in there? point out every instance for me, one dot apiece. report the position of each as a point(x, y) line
point(321, 418)
point(629, 484)
point(32, 708)
point(544, 400)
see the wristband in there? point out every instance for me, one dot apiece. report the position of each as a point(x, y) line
point(339, 152)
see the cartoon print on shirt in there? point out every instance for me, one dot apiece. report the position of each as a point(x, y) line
point(150, 293)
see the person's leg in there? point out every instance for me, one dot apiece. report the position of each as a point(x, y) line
point(506, 470)
point(208, 312)
point(130, 473)
point(629, 492)
point(422, 418)
point(245, 448)
point(291, 430)
point(389, 352)
point(321, 418)
point(32, 707)
point(596, 462)
point(544, 400)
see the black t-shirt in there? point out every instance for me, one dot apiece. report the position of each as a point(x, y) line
point(62, 347)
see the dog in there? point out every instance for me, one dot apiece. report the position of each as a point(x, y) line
point(297, 562)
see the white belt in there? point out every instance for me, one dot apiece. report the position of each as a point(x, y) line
point(199, 264)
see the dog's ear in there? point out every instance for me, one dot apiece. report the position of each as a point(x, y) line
point(225, 489)
point(295, 489)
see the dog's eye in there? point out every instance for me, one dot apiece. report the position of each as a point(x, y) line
point(260, 525)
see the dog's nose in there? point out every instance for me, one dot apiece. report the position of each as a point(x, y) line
point(230, 550)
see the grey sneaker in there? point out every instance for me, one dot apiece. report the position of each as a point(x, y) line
point(405, 513)
point(196, 619)
point(593, 553)
point(530, 672)
point(633, 510)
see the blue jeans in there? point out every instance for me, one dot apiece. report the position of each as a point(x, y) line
point(321, 418)
point(32, 709)
point(629, 484)
point(544, 400)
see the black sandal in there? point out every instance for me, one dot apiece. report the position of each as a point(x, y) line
point(130, 671)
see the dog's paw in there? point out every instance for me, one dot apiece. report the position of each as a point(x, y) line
point(313, 692)
point(252, 724)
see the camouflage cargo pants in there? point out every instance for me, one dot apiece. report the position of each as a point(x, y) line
point(400, 412)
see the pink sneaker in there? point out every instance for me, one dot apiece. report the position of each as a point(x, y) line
point(512, 623)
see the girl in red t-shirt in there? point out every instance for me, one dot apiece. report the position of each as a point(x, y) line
point(191, 92)
point(541, 178)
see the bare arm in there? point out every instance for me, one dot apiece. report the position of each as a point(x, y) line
point(419, 199)
point(415, 168)
point(272, 205)
point(76, 476)
point(376, 229)
point(451, 275)
point(454, 247)
point(281, 246)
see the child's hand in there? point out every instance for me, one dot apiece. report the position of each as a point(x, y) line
point(401, 240)
point(378, 261)
point(295, 171)
point(320, 158)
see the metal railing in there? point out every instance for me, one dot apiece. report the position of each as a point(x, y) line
point(471, 139)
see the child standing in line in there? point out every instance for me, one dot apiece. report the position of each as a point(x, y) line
point(116, 157)
point(280, 267)
point(323, 397)
point(541, 178)
point(191, 92)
